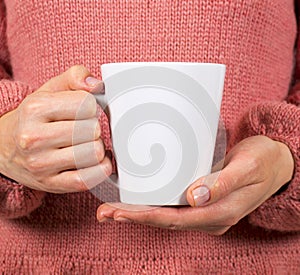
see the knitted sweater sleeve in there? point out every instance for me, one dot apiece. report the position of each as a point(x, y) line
point(16, 200)
point(281, 122)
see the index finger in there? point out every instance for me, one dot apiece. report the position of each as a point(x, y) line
point(164, 217)
point(75, 78)
point(65, 105)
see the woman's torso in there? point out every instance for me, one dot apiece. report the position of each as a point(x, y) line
point(254, 38)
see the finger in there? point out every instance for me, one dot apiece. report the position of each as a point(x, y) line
point(164, 217)
point(70, 133)
point(67, 105)
point(214, 218)
point(80, 180)
point(80, 156)
point(60, 134)
point(75, 78)
point(155, 216)
point(206, 220)
point(108, 211)
point(240, 171)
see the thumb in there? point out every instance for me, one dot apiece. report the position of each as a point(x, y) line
point(75, 78)
point(214, 187)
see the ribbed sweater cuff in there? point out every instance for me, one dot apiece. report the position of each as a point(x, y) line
point(280, 122)
point(11, 95)
point(16, 200)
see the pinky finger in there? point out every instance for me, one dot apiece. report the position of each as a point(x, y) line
point(83, 179)
point(94, 175)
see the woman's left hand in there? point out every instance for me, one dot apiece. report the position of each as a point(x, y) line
point(254, 170)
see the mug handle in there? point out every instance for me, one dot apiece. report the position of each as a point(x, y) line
point(101, 100)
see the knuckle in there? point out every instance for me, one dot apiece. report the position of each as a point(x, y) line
point(146, 218)
point(86, 104)
point(97, 129)
point(74, 70)
point(224, 185)
point(256, 167)
point(79, 184)
point(34, 164)
point(254, 163)
point(90, 104)
point(99, 149)
point(32, 106)
point(26, 141)
point(107, 168)
point(175, 226)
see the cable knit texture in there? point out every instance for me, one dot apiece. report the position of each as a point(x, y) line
point(59, 234)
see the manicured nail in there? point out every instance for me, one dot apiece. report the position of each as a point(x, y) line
point(92, 81)
point(96, 84)
point(122, 219)
point(201, 195)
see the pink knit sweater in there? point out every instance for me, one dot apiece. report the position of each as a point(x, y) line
point(47, 233)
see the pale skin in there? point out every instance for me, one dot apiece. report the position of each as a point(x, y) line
point(255, 169)
point(38, 145)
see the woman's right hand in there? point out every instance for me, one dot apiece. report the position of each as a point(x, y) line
point(51, 142)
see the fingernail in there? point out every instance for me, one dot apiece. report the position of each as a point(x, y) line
point(104, 219)
point(122, 219)
point(101, 217)
point(201, 195)
point(96, 84)
point(92, 81)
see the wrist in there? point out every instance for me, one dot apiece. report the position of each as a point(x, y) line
point(6, 122)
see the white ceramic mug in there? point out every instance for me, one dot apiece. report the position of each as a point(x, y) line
point(164, 119)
